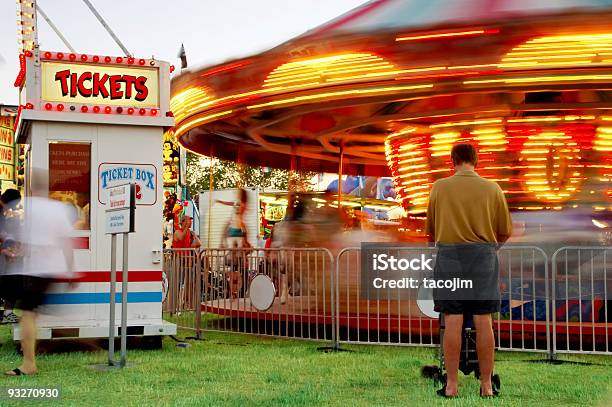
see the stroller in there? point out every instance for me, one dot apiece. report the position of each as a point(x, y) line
point(468, 362)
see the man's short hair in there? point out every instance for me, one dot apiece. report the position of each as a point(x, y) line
point(464, 153)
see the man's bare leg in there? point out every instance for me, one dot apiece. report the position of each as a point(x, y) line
point(453, 325)
point(485, 347)
point(28, 343)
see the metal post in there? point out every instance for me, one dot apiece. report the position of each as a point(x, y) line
point(55, 29)
point(340, 171)
point(113, 291)
point(106, 27)
point(124, 294)
point(211, 179)
point(198, 295)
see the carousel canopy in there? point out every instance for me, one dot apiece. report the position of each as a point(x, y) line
point(393, 84)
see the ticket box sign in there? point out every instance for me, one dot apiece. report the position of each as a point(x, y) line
point(144, 176)
point(81, 83)
point(119, 215)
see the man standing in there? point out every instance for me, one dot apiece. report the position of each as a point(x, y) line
point(468, 219)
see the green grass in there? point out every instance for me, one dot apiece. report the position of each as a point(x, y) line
point(240, 370)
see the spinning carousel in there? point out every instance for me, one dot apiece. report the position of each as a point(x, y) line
point(388, 88)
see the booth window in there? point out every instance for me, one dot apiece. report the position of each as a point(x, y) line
point(70, 178)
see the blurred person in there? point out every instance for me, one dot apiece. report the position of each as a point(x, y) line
point(45, 238)
point(468, 219)
point(236, 230)
point(183, 237)
point(236, 237)
point(184, 240)
point(8, 226)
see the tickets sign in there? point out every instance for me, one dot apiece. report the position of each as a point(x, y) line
point(100, 84)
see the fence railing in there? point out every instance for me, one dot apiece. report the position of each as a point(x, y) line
point(182, 283)
point(315, 295)
point(581, 280)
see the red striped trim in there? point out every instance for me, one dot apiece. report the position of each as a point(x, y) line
point(104, 277)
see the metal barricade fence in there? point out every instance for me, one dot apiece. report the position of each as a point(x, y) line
point(581, 314)
point(395, 320)
point(565, 311)
point(523, 323)
point(303, 279)
point(182, 288)
point(361, 317)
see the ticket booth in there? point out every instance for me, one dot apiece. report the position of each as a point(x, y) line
point(95, 122)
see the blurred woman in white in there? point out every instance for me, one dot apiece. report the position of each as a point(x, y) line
point(45, 241)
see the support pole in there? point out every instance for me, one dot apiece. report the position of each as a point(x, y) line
point(124, 295)
point(211, 180)
point(113, 292)
point(55, 29)
point(340, 171)
point(107, 28)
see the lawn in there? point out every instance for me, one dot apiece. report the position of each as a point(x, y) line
point(238, 370)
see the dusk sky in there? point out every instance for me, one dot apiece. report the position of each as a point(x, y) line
point(213, 31)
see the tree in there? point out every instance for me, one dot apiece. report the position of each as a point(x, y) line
point(228, 174)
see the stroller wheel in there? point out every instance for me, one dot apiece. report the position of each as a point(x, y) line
point(431, 372)
point(496, 382)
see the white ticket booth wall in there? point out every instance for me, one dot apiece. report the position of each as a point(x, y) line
point(89, 144)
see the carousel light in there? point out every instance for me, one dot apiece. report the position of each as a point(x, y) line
point(107, 59)
point(349, 92)
point(187, 101)
point(29, 106)
point(544, 79)
point(107, 109)
point(130, 110)
point(84, 109)
point(142, 111)
point(119, 60)
point(153, 112)
point(466, 123)
point(95, 58)
point(72, 57)
point(141, 61)
point(60, 107)
point(84, 58)
point(130, 60)
point(560, 50)
point(47, 55)
point(419, 37)
point(227, 67)
point(200, 120)
point(60, 55)
point(48, 106)
point(328, 69)
point(96, 109)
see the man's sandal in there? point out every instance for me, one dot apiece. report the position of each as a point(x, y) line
point(442, 393)
point(495, 393)
point(17, 372)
